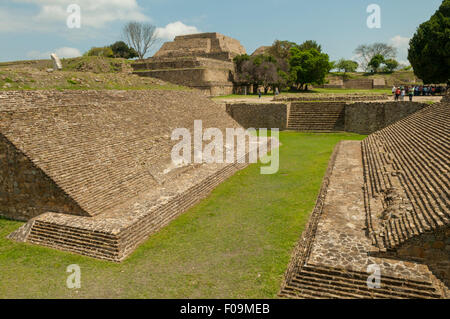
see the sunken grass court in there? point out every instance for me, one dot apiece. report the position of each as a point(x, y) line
point(201, 171)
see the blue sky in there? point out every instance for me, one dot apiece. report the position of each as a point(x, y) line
point(34, 28)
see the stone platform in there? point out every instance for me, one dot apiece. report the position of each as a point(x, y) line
point(333, 255)
point(202, 61)
point(91, 171)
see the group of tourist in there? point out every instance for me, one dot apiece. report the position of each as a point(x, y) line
point(422, 90)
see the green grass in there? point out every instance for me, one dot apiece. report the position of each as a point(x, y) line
point(234, 244)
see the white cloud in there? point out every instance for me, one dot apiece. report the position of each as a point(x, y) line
point(53, 14)
point(170, 31)
point(400, 42)
point(64, 52)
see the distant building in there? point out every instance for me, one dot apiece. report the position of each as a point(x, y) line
point(203, 61)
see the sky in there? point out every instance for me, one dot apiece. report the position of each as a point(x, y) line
point(33, 29)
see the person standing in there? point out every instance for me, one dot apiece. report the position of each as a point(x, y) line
point(402, 94)
point(393, 90)
point(259, 92)
point(411, 94)
point(397, 93)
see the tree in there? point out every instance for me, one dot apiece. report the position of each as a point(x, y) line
point(367, 52)
point(429, 48)
point(100, 51)
point(310, 44)
point(346, 65)
point(376, 62)
point(121, 50)
point(309, 66)
point(281, 49)
point(261, 70)
point(141, 37)
point(391, 65)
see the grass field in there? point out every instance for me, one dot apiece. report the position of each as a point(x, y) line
point(234, 244)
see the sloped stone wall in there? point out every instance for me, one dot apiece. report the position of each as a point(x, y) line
point(25, 191)
point(367, 118)
point(273, 115)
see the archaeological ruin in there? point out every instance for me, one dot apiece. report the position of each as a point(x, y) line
point(91, 171)
point(383, 209)
point(202, 61)
point(323, 114)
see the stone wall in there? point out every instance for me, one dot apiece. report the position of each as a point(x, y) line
point(193, 77)
point(181, 63)
point(332, 97)
point(358, 117)
point(25, 191)
point(108, 148)
point(256, 115)
point(432, 249)
point(367, 118)
point(361, 84)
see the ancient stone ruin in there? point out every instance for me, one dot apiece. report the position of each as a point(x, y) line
point(203, 61)
point(91, 171)
point(327, 115)
point(383, 209)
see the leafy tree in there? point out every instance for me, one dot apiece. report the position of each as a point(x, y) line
point(239, 61)
point(367, 52)
point(391, 65)
point(261, 70)
point(310, 44)
point(122, 50)
point(309, 66)
point(376, 62)
point(141, 37)
point(281, 49)
point(429, 49)
point(346, 65)
point(100, 51)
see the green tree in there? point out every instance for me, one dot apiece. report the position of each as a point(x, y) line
point(100, 51)
point(376, 62)
point(122, 50)
point(308, 67)
point(260, 70)
point(429, 49)
point(391, 65)
point(310, 44)
point(281, 49)
point(346, 66)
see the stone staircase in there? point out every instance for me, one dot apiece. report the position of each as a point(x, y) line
point(408, 162)
point(314, 281)
point(317, 116)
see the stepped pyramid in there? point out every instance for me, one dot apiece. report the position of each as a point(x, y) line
point(203, 61)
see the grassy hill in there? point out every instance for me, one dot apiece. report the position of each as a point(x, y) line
point(77, 73)
point(394, 78)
